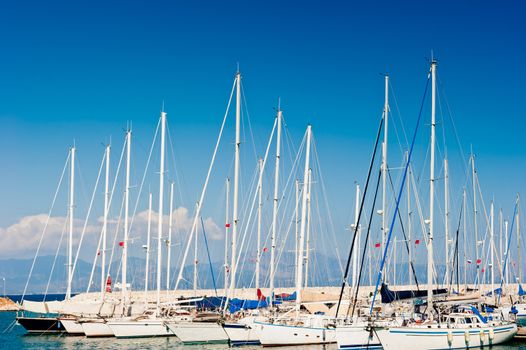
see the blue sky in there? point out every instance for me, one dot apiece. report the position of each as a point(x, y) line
point(81, 70)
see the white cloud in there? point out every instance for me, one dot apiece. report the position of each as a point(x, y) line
point(20, 240)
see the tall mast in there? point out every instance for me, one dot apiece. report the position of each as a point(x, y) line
point(519, 273)
point(260, 206)
point(409, 221)
point(196, 256)
point(160, 219)
point(356, 251)
point(275, 209)
point(507, 277)
point(474, 181)
point(169, 240)
point(235, 219)
point(431, 196)
point(446, 206)
point(71, 210)
point(299, 275)
point(105, 223)
point(296, 224)
point(148, 238)
point(464, 204)
point(124, 288)
point(501, 256)
point(227, 226)
point(307, 249)
point(492, 247)
point(384, 163)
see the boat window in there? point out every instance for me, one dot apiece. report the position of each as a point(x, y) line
point(468, 320)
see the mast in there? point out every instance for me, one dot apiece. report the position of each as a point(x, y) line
point(160, 219)
point(501, 255)
point(507, 277)
point(227, 225)
point(384, 162)
point(124, 287)
point(275, 209)
point(260, 205)
point(169, 240)
point(105, 223)
point(297, 230)
point(196, 256)
point(356, 252)
point(518, 240)
point(431, 196)
point(464, 204)
point(148, 238)
point(492, 247)
point(235, 219)
point(307, 249)
point(299, 275)
point(446, 206)
point(473, 175)
point(71, 212)
point(409, 221)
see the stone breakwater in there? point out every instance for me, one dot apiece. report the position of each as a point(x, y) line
point(7, 304)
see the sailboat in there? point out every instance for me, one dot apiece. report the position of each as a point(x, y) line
point(463, 329)
point(45, 324)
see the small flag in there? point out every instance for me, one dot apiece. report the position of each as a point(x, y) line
point(377, 245)
point(265, 250)
point(479, 261)
point(98, 253)
point(483, 270)
point(227, 225)
point(121, 244)
point(469, 261)
point(417, 242)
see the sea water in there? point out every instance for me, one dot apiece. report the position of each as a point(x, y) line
point(13, 336)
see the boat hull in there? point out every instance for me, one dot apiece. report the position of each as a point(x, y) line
point(72, 326)
point(41, 325)
point(96, 328)
point(443, 338)
point(285, 335)
point(139, 329)
point(199, 332)
point(242, 334)
point(356, 337)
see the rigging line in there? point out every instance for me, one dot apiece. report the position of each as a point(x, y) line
point(87, 217)
point(409, 156)
point(403, 232)
point(109, 205)
point(456, 253)
point(179, 176)
point(317, 164)
point(144, 176)
point(56, 255)
point(208, 253)
point(45, 226)
point(509, 244)
point(245, 104)
point(348, 265)
point(205, 186)
point(357, 288)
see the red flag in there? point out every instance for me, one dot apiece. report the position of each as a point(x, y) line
point(483, 270)
point(260, 295)
point(265, 250)
point(479, 261)
point(417, 241)
point(469, 261)
point(98, 253)
point(227, 225)
point(377, 245)
point(121, 244)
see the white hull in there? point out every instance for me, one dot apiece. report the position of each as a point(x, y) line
point(242, 334)
point(96, 328)
point(71, 326)
point(199, 332)
point(356, 337)
point(420, 338)
point(139, 329)
point(280, 335)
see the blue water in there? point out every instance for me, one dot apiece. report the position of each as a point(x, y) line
point(13, 336)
